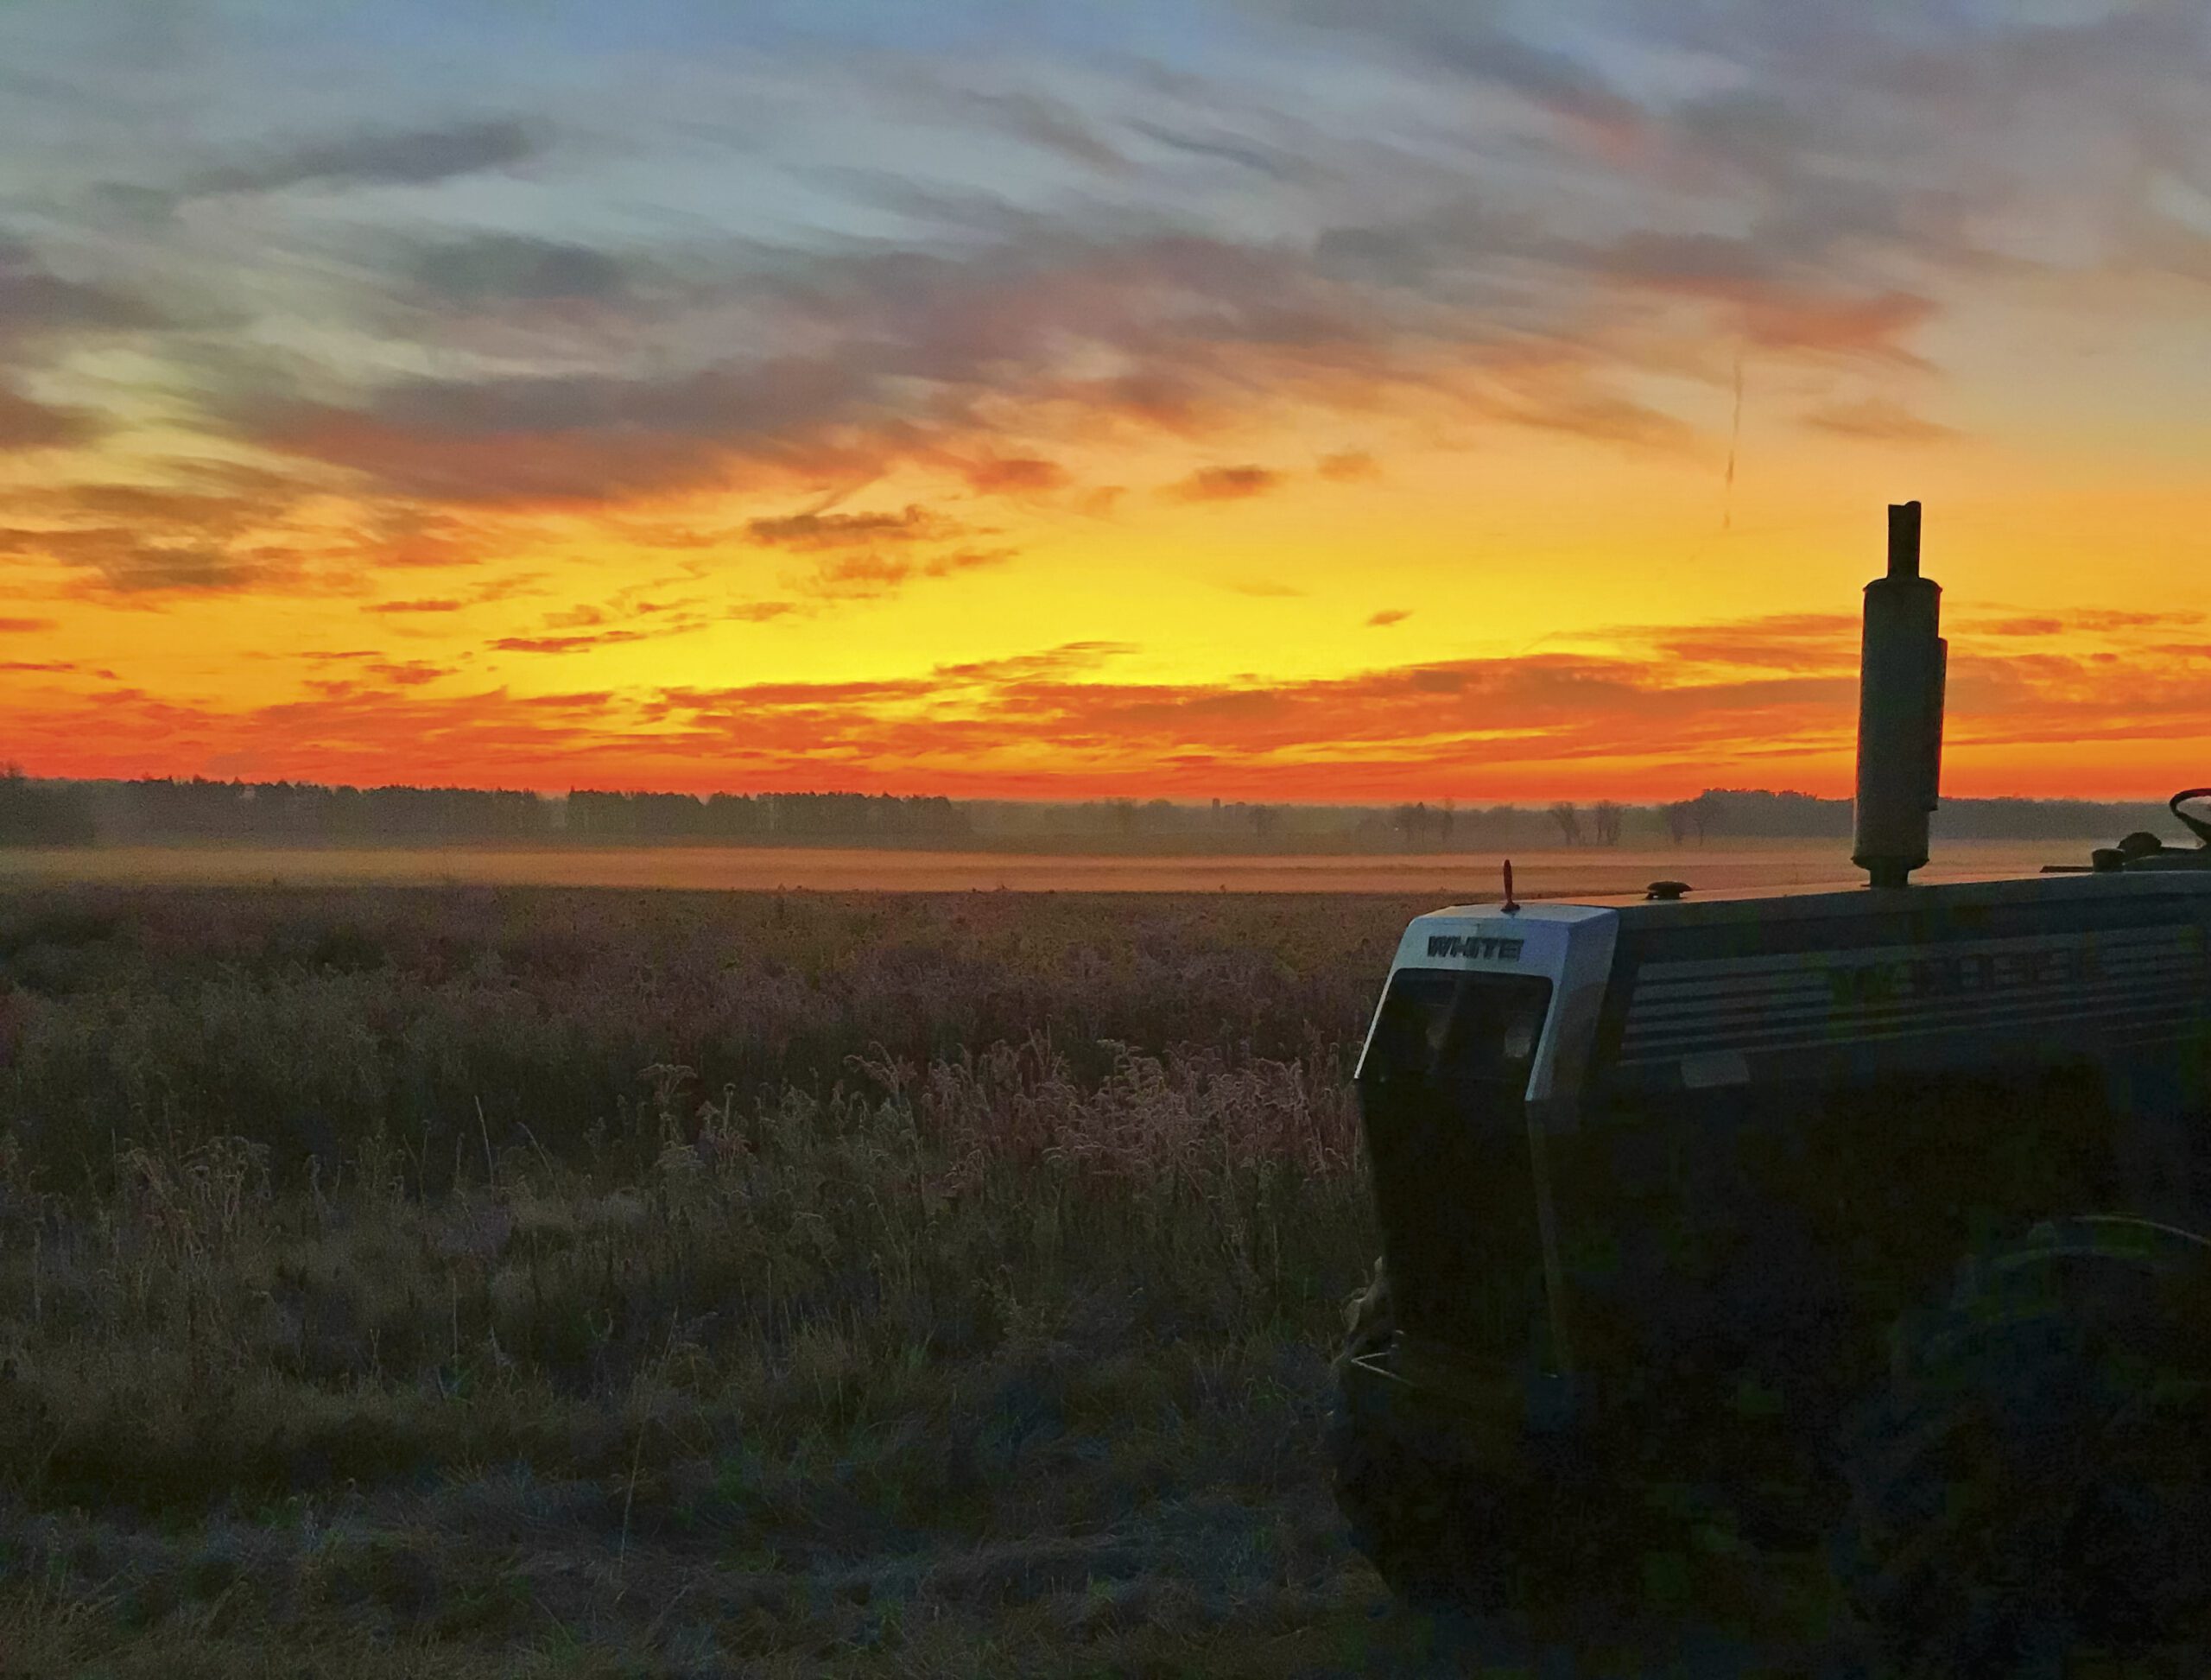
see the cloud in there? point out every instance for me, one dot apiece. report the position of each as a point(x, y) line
point(566, 643)
point(2099, 621)
point(2013, 627)
point(1876, 420)
point(26, 626)
point(1466, 42)
point(500, 269)
point(152, 569)
point(803, 367)
point(1243, 154)
point(147, 506)
point(149, 539)
point(455, 443)
point(1068, 659)
point(808, 532)
point(435, 606)
point(1810, 644)
point(2106, 619)
point(128, 562)
point(1638, 721)
point(869, 359)
point(1351, 466)
point(413, 157)
point(1265, 588)
point(1014, 475)
point(1389, 616)
point(1601, 416)
point(36, 303)
point(410, 674)
point(26, 425)
point(1226, 483)
point(1041, 121)
point(871, 576)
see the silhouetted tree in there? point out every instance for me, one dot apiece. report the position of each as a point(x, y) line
point(1412, 821)
point(1704, 813)
point(1608, 818)
point(1568, 818)
point(41, 813)
point(1678, 819)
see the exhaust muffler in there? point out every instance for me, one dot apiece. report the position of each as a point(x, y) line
point(1903, 669)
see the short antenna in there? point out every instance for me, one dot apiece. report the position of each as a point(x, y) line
point(1511, 905)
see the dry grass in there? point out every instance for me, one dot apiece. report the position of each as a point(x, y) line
point(534, 1282)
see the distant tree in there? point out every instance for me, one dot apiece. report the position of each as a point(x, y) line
point(1678, 819)
point(1568, 818)
point(1412, 821)
point(1450, 820)
point(43, 813)
point(1704, 813)
point(1608, 818)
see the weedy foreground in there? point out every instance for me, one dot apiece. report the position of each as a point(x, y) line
point(511, 1282)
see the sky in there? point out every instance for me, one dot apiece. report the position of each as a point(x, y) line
point(1262, 399)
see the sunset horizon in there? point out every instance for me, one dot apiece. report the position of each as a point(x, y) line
point(1277, 400)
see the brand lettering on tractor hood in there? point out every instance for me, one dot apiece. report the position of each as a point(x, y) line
point(1473, 945)
point(1938, 975)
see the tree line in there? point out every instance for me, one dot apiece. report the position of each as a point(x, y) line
point(852, 817)
point(168, 811)
point(41, 813)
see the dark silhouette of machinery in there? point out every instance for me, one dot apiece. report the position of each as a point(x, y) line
point(1855, 1227)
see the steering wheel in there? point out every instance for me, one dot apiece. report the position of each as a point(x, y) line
point(2199, 826)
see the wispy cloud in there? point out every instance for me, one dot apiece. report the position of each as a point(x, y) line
point(871, 576)
point(427, 606)
point(37, 303)
point(25, 424)
point(492, 269)
point(1692, 705)
point(603, 638)
point(810, 531)
point(1226, 483)
point(1014, 475)
point(407, 157)
point(1876, 420)
point(1351, 466)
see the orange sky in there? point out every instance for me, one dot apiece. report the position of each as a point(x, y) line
point(1293, 403)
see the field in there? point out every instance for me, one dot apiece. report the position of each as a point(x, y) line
point(525, 1281)
point(399, 1282)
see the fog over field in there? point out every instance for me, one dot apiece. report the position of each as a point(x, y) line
point(1733, 866)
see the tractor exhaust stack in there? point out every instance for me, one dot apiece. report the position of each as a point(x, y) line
point(1901, 677)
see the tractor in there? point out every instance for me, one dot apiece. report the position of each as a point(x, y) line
point(1870, 1228)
